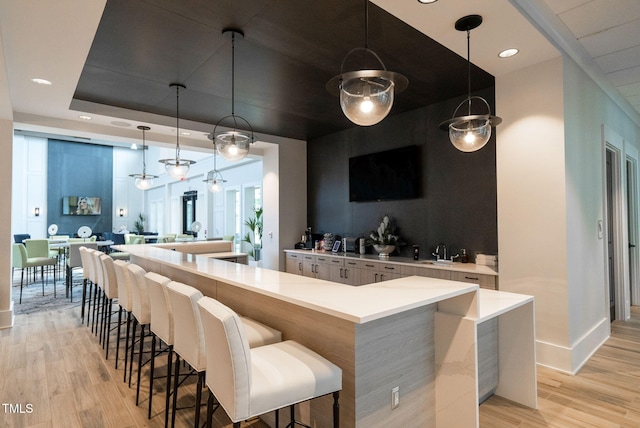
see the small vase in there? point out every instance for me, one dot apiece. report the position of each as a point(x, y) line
point(384, 250)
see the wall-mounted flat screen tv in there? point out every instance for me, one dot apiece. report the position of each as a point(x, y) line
point(392, 174)
point(81, 205)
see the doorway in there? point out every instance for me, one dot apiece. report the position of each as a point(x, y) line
point(615, 201)
point(632, 216)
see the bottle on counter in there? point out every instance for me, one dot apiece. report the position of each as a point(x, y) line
point(464, 258)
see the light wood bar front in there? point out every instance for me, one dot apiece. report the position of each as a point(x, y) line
point(415, 333)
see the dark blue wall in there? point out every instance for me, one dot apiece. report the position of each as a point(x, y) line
point(459, 196)
point(77, 169)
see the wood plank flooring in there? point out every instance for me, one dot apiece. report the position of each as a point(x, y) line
point(53, 363)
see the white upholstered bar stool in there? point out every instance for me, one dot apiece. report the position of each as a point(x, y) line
point(98, 294)
point(87, 274)
point(125, 301)
point(251, 382)
point(110, 289)
point(189, 338)
point(162, 328)
point(141, 310)
point(74, 260)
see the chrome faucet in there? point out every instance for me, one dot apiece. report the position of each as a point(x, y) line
point(440, 248)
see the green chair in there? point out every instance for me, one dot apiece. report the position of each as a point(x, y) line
point(39, 248)
point(229, 238)
point(22, 261)
point(132, 239)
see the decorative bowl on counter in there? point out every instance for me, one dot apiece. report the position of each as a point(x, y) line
point(384, 250)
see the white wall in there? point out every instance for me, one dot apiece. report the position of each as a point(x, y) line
point(532, 217)
point(550, 199)
point(125, 194)
point(6, 212)
point(30, 181)
point(587, 110)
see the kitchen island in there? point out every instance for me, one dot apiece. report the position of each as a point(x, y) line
point(416, 334)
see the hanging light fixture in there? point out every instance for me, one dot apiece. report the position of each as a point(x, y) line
point(232, 144)
point(471, 132)
point(143, 181)
point(366, 96)
point(177, 168)
point(214, 177)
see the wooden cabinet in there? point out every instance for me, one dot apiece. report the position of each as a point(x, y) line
point(293, 263)
point(360, 271)
point(389, 271)
point(484, 281)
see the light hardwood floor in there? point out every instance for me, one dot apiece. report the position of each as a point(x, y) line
point(54, 364)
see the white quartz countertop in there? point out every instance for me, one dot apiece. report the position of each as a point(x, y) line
point(357, 304)
point(406, 261)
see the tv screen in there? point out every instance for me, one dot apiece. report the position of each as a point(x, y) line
point(388, 175)
point(81, 205)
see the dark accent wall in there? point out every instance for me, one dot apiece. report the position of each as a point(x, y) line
point(77, 169)
point(458, 206)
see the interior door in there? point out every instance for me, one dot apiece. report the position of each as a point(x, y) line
point(611, 236)
point(188, 212)
point(632, 213)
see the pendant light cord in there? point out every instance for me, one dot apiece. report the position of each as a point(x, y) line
point(177, 123)
point(469, 68)
point(366, 24)
point(144, 159)
point(233, 72)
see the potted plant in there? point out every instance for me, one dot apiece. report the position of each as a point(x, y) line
point(138, 225)
point(254, 236)
point(384, 239)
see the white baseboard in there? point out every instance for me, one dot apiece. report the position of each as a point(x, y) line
point(6, 317)
point(571, 359)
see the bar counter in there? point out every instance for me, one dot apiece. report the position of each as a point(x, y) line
point(415, 333)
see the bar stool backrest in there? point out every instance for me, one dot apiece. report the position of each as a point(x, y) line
point(161, 312)
point(141, 307)
point(123, 279)
point(188, 339)
point(110, 285)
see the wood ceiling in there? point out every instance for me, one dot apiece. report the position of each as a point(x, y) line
point(290, 50)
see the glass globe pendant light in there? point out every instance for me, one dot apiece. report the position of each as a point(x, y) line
point(366, 96)
point(471, 132)
point(177, 168)
point(232, 144)
point(143, 181)
point(214, 177)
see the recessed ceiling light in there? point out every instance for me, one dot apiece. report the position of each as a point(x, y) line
point(84, 117)
point(427, 1)
point(507, 53)
point(120, 123)
point(185, 133)
point(41, 81)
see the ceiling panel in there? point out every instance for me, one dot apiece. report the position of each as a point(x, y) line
point(617, 38)
point(600, 15)
point(289, 51)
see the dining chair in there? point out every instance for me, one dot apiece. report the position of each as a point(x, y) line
point(249, 382)
point(21, 260)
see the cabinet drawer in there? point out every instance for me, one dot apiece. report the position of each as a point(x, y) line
point(389, 268)
point(484, 281)
point(362, 264)
point(309, 258)
point(294, 256)
point(333, 261)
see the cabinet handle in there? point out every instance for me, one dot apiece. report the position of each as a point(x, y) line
point(470, 277)
point(381, 277)
point(300, 266)
point(351, 263)
point(369, 265)
point(316, 268)
point(341, 273)
point(345, 274)
point(375, 276)
point(389, 268)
